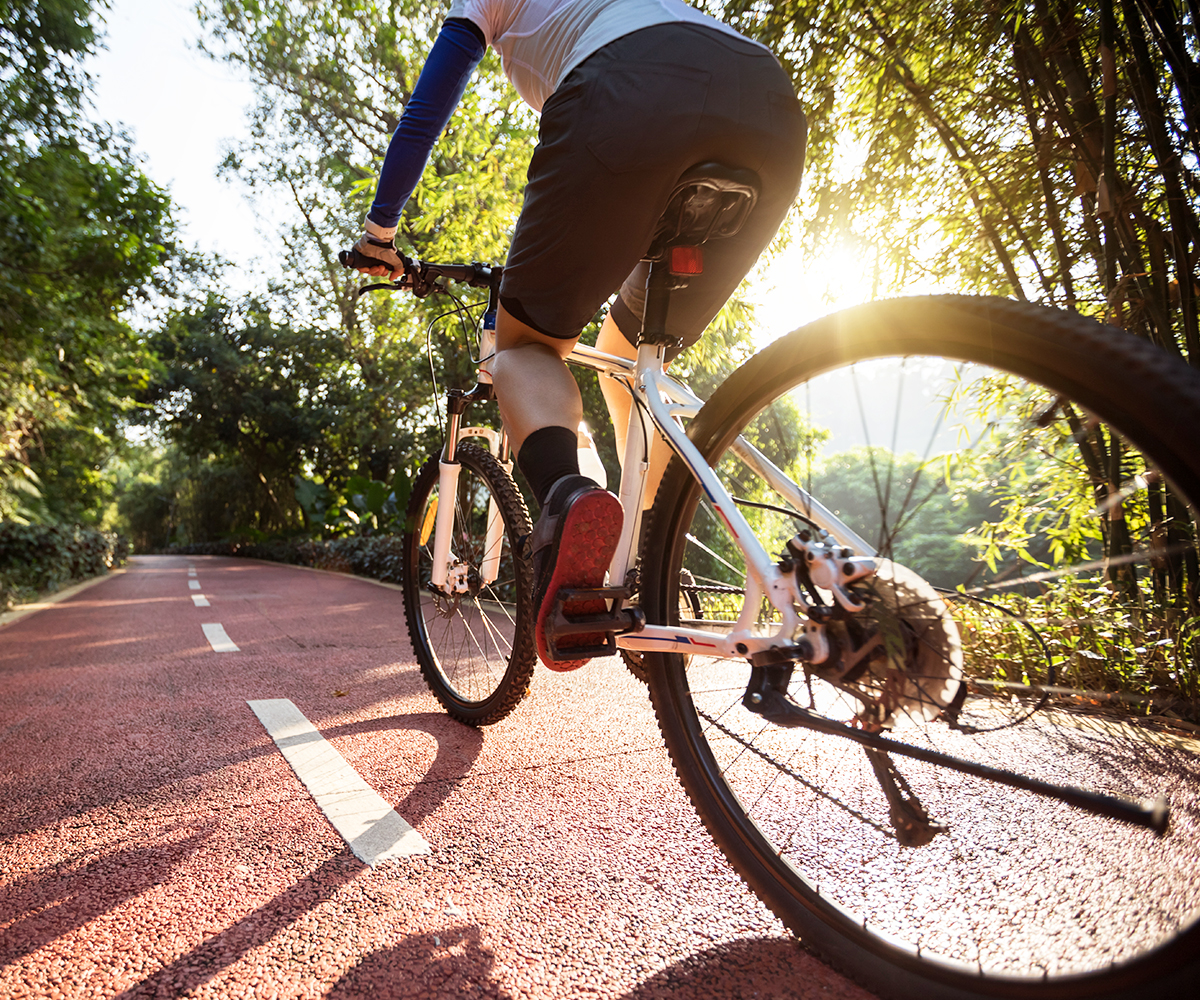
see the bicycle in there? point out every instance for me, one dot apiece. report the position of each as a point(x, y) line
point(961, 877)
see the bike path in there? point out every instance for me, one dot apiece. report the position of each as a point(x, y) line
point(154, 841)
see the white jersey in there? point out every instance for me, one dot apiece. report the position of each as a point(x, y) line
point(541, 41)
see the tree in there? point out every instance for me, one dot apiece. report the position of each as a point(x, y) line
point(982, 136)
point(41, 77)
point(1042, 150)
point(82, 238)
point(255, 395)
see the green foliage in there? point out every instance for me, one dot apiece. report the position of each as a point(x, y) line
point(728, 341)
point(260, 395)
point(932, 516)
point(36, 558)
point(175, 498)
point(970, 145)
point(1095, 639)
point(332, 83)
point(145, 509)
point(80, 241)
point(82, 236)
point(41, 80)
point(293, 413)
point(314, 500)
point(376, 504)
point(379, 557)
point(216, 499)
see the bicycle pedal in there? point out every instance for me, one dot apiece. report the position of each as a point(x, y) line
point(609, 623)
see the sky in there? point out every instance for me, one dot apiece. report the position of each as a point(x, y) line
point(183, 109)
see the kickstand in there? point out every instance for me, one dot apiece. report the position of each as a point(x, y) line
point(913, 825)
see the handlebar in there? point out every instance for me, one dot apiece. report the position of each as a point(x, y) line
point(421, 276)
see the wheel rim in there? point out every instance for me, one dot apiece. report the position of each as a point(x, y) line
point(1000, 893)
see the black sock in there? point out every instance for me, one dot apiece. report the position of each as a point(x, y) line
point(547, 455)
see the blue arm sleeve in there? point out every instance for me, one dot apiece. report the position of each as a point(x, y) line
point(453, 58)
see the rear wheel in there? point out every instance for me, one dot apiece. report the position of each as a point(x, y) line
point(473, 637)
point(1023, 477)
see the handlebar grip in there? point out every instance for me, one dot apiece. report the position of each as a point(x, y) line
point(352, 258)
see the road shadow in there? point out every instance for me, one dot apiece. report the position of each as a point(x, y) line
point(453, 963)
point(775, 968)
point(61, 898)
point(458, 746)
point(218, 952)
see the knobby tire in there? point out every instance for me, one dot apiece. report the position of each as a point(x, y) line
point(1154, 401)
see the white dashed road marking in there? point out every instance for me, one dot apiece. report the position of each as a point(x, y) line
point(200, 600)
point(374, 831)
point(217, 638)
point(191, 572)
point(193, 584)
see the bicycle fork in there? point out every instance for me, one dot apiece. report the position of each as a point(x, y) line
point(447, 573)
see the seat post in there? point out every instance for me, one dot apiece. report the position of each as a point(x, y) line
point(658, 300)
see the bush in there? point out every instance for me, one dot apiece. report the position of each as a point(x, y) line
point(377, 556)
point(38, 557)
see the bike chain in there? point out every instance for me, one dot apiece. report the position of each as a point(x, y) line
point(702, 588)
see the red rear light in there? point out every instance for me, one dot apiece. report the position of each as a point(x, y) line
point(687, 260)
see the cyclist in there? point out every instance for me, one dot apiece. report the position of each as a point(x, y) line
point(632, 93)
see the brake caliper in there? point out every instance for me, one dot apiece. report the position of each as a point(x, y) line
point(458, 579)
point(830, 567)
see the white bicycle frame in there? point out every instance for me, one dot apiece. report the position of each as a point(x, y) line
point(662, 404)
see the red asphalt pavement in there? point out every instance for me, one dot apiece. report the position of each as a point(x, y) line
point(154, 842)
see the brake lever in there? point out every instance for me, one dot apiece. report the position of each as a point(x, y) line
point(416, 281)
point(389, 286)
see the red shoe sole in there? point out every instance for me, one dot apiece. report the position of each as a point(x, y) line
point(589, 534)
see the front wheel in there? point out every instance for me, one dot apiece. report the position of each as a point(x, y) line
point(472, 635)
point(1023, 477)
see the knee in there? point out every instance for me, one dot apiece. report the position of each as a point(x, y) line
point(514, 335)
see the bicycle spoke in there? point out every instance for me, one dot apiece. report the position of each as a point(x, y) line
point(956, 488)
point(475, 647)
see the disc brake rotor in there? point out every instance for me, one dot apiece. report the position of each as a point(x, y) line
point(901, 656)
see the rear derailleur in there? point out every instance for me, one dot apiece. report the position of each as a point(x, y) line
point(819, 566)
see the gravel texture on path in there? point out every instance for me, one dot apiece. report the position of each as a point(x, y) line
point(154, 843)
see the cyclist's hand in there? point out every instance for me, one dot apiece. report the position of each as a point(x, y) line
point(391, 262)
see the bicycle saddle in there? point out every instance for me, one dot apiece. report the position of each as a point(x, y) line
point(709, 201)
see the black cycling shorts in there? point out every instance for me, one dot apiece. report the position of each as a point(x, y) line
point(615, 137)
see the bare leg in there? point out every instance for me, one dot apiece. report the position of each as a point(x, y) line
point(616, 396)
point(535, 389)
point(579, 524)
point(533, 386)
point(612, 341)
